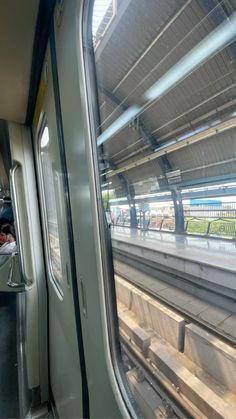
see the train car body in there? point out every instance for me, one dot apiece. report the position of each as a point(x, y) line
point(117, 149)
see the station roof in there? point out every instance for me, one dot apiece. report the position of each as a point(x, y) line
point(140, 45)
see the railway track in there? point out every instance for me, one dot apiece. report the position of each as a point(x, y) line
point(167, 404)
point(177, 327)
point(210, 306)
point(160, 359)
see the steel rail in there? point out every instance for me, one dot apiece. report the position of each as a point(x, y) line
point(190, 318)
point(158, 382)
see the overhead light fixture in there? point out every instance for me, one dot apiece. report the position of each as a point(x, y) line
point(216, 40)
point(152, 195)
point(118, 124)
point(106, 184)
point(118, 199)
point(211, 44)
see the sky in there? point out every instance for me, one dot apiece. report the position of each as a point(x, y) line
point(100, 8)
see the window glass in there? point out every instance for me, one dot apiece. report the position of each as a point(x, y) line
point(166, 84)
point(50, 177)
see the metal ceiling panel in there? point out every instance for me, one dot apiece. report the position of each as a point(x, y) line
point(17, 27)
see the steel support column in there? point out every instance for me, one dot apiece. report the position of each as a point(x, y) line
point(133, 213)
point(129, 191)
point(131, 202)
point(179, 211)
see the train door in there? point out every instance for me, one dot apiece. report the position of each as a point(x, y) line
point(22, 272)
point(67, 376)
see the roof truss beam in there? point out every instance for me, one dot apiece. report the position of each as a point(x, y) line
point(142, 129)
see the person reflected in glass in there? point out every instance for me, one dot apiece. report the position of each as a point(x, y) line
point(9, 237)
point(6, 211)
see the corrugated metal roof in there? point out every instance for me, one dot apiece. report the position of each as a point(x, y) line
point(214, 149)
point(152, 37)
point(128, 42)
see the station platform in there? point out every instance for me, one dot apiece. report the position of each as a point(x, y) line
point(208, 259)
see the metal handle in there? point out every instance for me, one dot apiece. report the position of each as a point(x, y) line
point(10, 282)
point(18, 224)
point(83, 295)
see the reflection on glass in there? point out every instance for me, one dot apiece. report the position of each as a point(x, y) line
point(45, 138)
point(167, 98)
point(50, 185)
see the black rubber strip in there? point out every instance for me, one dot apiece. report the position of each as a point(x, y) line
point(44, 18)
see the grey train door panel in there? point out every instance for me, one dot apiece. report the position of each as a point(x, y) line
point(24, 272)
point(10, 274)
point(64, 357)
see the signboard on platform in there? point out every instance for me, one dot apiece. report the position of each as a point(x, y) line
point(144, 206)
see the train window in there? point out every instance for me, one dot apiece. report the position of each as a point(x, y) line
point(166, 139)
point(50, 180)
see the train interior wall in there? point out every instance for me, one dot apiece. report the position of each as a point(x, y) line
point(139, 300)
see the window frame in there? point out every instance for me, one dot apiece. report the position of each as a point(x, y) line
point(55, 282)
point(105, 246)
